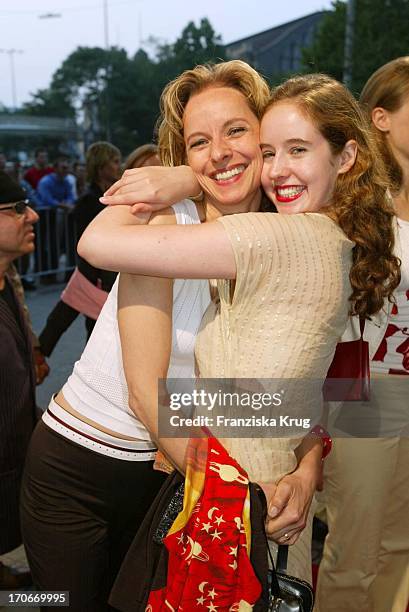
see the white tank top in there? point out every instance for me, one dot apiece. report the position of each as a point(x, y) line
point(97, 387)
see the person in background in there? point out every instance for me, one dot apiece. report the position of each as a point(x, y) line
point(17, 379)
point(365, 565)
point(143, 156)
point(42, 369)
point(88, 287)
point(3, 161)
point(80, 172)
point(56, 195)
point(72, 179)
point(31, 194)
point(55, 189)
point(39, 169)
point(13, 169)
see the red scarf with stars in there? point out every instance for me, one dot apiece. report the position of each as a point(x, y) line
point(208, 544)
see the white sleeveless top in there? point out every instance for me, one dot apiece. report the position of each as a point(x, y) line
point(97, 387)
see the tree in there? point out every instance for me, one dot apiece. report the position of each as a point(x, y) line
point(197, 45)
point(380, 35)
point(118, 96)
point(326, 52)
point(99, 87)
point(48, 103)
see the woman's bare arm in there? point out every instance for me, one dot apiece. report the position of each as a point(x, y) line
point(145, 326)
point(112, 241)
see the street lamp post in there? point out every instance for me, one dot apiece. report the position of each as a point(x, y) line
point(107, 73)
point(106, 23)
point(11, 53)
point(349, 43)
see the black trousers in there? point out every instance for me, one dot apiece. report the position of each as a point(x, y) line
point(80, 511)
point(59, 320)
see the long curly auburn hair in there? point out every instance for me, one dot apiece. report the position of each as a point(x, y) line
point(359, 202)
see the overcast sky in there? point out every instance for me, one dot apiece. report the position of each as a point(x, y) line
point(46, 42)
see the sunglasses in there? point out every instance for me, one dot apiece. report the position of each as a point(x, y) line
point(18, 207)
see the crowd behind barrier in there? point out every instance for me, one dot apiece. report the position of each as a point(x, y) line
point(55, 251)
point(52, 191)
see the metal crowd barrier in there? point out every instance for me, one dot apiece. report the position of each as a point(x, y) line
point(56, 242)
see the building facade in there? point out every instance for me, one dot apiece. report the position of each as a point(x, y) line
point(277, 51)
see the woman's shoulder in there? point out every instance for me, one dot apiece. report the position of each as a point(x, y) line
point(313, 221)
point(268, 234)
point(329, 228)
point(309, 224)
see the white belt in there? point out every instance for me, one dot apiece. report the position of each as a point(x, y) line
point(72, 428)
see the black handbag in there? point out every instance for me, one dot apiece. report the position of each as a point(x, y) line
point(284, 593)
point(287, 593)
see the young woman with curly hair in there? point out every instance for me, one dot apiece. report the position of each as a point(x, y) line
point(366, 560)
point(293, 277)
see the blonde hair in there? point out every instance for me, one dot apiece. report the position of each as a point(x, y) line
point(359, 201)
point(138, 156)
point(235, 74)
point(387, 88)
point(98, 154)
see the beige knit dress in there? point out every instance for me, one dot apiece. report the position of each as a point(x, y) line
point(288, 311)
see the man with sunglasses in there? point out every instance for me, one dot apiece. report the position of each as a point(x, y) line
point(17, 380)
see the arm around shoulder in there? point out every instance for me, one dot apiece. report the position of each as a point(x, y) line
point(114, 242)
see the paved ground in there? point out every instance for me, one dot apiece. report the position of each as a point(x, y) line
point(67, 351)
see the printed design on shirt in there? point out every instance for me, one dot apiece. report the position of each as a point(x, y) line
point(387, 349)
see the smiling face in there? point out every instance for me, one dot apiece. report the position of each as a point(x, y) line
point(299, 170)
point(221, 135)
